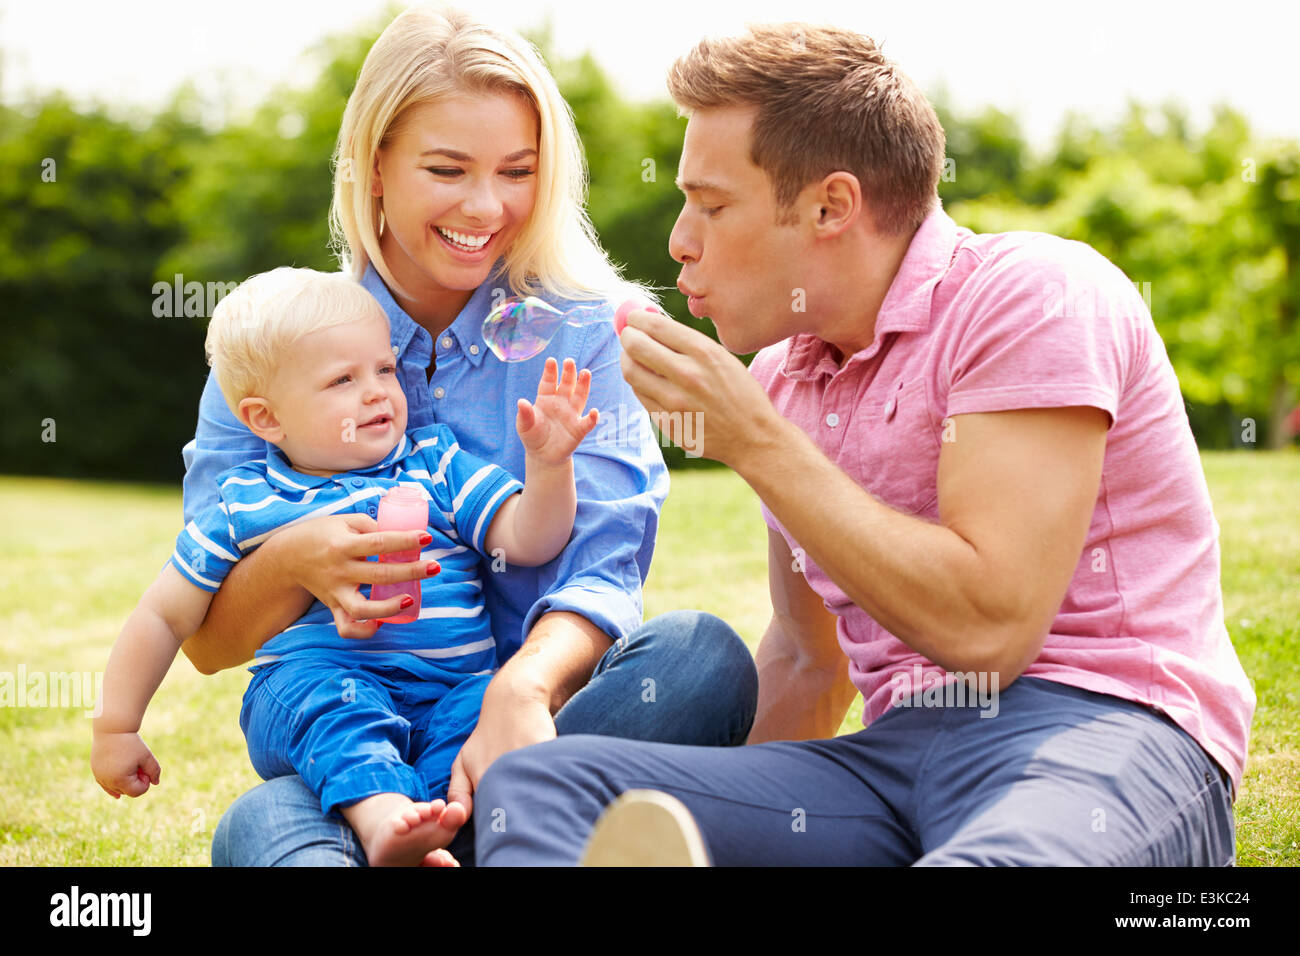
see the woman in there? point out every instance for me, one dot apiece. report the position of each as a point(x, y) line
point(459, 181)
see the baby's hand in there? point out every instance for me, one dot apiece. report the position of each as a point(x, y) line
point(122, 763)
point(553, 426)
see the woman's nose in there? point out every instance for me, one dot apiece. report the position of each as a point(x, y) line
point(483, 203)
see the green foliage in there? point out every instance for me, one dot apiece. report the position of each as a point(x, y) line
point(1210, 220)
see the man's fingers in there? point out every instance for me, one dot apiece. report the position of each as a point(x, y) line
point(655, 392)
point(657, 357)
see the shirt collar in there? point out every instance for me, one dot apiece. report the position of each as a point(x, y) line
point(466, 329)
point(284, 477)
point(907, 304)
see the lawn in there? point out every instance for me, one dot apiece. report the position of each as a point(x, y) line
point(75, 556)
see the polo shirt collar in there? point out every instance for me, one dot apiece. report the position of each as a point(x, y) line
point(284, 477)
point(466, 329)
point(907, 304)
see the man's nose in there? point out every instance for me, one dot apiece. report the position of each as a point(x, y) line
point(682, 245)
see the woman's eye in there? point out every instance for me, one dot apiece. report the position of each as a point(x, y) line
point(520, 173)
point(444, 170)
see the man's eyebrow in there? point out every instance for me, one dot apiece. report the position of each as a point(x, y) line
point(467, 158)
point(703, 186)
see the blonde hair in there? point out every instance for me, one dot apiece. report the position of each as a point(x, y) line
point(427, 54)
point(253, 326)
point(827, 99)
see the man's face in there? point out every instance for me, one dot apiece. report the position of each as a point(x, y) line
point(739, 267)
point(337, 398)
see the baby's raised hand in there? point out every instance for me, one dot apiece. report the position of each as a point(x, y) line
point(122, 763)
point(554, 425)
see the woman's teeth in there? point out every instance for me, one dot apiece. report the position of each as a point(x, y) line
point(462, 241)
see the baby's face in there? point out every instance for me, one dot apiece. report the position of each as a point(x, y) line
point(337, 397)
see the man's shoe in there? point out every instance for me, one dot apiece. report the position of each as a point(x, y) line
point(645, 828)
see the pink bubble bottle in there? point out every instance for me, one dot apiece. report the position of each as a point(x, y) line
point(402, 509)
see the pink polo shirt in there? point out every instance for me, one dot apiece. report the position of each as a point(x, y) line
point(986, 323)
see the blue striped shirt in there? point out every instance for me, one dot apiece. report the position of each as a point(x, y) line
point(619, 468)
point(258, 498)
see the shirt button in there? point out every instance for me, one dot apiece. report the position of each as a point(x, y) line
point(357, 482)
point(446, 341)
point(473, 350)
point(889, 410)
point(832, 419)
point(373, 511)
point(439, 392)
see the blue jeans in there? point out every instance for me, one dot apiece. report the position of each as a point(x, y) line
point(683, 677)
point(1058, 776)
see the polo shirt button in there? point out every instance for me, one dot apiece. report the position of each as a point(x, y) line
point(439, 392)
point(832, 419)
point(373, 511)
point(446, 341)
point(473, 350)
point(889, 409)
point(357, 482)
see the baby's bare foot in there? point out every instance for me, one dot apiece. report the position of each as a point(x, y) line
point(402, 833)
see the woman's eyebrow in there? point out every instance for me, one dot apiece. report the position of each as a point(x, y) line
point(467, 158)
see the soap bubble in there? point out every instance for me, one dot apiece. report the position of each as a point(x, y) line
point(522, 326)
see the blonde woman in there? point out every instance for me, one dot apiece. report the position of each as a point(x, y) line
point(459, 179)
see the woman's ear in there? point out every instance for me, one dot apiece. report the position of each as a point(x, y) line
point(256, 414)
point(376, 184)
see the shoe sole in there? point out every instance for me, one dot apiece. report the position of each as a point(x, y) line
point(645, 828)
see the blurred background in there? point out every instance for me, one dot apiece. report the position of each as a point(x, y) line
point(141, 142)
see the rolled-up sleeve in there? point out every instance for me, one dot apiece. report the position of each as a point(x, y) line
point(621, 484)
point(220, 441)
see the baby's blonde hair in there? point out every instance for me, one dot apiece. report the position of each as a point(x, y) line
point(428, 54)
point(253, 326)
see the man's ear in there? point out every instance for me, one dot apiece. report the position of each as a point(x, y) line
point(256, 414)
point(839, 204)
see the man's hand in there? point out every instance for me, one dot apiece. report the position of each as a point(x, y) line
point(509, 720)
point(122, 763)
point(674, 369)
point(553, 426)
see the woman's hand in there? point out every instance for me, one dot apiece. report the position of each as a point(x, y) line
point(553, 426)
point(327, 556)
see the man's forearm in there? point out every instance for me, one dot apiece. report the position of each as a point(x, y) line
point(257, 600)
point(555, 661)
point(920, 581)
point(798, 699)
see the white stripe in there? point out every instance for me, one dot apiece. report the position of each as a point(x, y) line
point(437, 653)
point(285, 479)
point(232, 480)
point(196, 575)
point(258, 506)
point(326, 509)
point(418, 473)
point(447, 611)
point(510, 488)
point(427, 443)
point(446, 457)
point(443, 552)
point(193, 531)
point(475, 480)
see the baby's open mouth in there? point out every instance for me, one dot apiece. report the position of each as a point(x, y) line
point(378, 420)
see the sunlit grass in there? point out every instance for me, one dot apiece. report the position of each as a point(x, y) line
point(75, 557)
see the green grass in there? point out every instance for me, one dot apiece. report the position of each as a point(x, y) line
point(75, 557)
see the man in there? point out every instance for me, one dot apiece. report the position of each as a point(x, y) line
point(986, 511)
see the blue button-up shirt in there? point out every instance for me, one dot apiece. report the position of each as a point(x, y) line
point(619, 469)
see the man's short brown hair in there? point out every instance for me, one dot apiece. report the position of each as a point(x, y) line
point(827, 100)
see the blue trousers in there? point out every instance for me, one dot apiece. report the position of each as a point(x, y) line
point(393, 725)
point(683, 677)
point(1059, 776)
